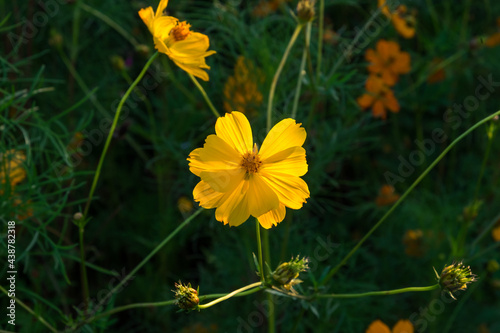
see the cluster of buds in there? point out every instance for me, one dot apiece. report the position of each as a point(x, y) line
point(285, 276)
point(186, 297)
point(455, 277)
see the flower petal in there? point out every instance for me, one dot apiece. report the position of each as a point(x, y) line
point(235, 129)
point(273, 217)
point(291, 161)
point(234, 206)
point(162, 27)
point(378, 327)
point(206, 196)
point(403, 326)
point(161, 7)
point(283, 135)
point(147, 16)
point(216, 154)
point(365, 101)
point(223, 180)
point(292, 191)
point(261, 197)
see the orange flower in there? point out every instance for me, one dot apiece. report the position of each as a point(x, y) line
point(379, 97)
point(386, 196)
point(413, 242)
point(265, 7)
point(388, 61)
point(402, 326)
point(494, 39)
point(241, 90)
point(11, 167)
point(403, 21)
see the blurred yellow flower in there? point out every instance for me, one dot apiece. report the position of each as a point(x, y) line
point(240, 180)
point(402, 326)
point(24, 209)
point(11, 167)
point(404, 21)
point(241, 90)
point(379, 97)
point(186, 48)
point(388, 61)
point(185, 205)
point(495, 232)
point(494, 39)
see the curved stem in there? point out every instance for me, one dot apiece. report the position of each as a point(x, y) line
point(415, 183)
point(205, 96)
point(301, 71)
point(231, 294)
point(33, 313)
point(277, 74)
point(320, 37)
point(112, 130)
point(380, 293)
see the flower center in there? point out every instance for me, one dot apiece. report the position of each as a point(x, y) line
point(251, 161)
point(181, 31)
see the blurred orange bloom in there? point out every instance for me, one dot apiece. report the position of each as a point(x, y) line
point(388, 61)
point(265, 7)
point(185, 205)
point(402, 326)
point(241, 90)
point(379, 97)
point(386, 196)
point(186, 48)
point(404, 22)
point(413, 242)
point(24, 209)
point(494, 39)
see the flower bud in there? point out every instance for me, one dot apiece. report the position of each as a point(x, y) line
point(287, 273)
point(56, 39)
point(185, 296)
point(305, 10)
point(492, 266)
point(77, 216)
point(455, 277)
point(118, 63)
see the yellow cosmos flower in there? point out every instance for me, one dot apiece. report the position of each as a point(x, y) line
point(186, 48)
point(402, 326)
point(240, 180)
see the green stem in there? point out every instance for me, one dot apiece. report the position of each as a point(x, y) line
point(150, 255)
point(33, 313)
point(301, 71)
point(277, 75)
point(83, 268)
point(415, 183)
point(320, 37)
point(380, 293)
point(259, 249)
point(231, 294)
point(112, 130)
point(205, 96)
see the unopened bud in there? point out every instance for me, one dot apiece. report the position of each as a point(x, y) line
point(77, 216)
point(305, 10)
point(186, 297)
point(56, 39)
point(455, 277)
point(118, 63)
point(286, 274)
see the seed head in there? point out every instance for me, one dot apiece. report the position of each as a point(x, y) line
point(185, 296)
point(455, 277)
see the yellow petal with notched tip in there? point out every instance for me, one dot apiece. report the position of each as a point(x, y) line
point(292, 191)
point(235, 129)
point(291, 161)
point(206, 196)
point(283, 135)
point(273, 217)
